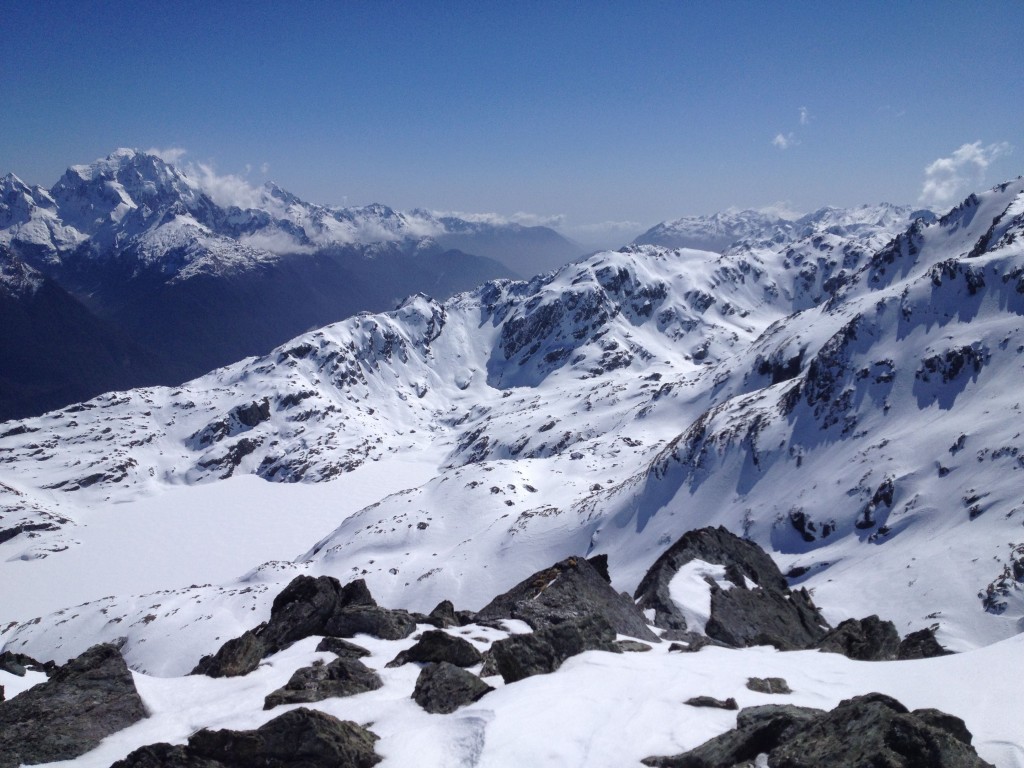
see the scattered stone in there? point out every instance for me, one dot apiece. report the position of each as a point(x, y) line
point(687, 641)
point(437, 646)
point(520, 656)
point(870, 730)
point(712, 702)
point(490, 666)
point(442, 688)
point(568, 591)
point(758, 608)
point(341, 677)
point(300, 737)
point(920, 645)
point(632, 646)
point(86, 700)
point(235, 658)
point(772, 685)
point(342, 648)
point(443, 615)
point(869, 639)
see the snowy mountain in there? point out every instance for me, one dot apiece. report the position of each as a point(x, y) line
point(198, 283)
point(848, 405)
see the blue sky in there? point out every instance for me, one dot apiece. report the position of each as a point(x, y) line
point(582, 113)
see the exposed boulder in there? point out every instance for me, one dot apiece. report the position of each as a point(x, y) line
point(869, 639)
point(758, 608)
point(9, 662)
point(568, 591)
point(379, 622)
point(300, 738)
point(770, 685)
point(442, 688)
point(342, 648)
point(520, 656)
point(341, 677)
point(236, 657)
point(920, 645)
point(758, 730)
point(443, 615)
point(86, 700)
point(870, 730)
point(712, 702)
point(437, 646)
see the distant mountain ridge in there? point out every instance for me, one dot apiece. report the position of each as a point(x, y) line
point(189, 284)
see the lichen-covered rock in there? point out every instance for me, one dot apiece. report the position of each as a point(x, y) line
point(236, 657)
point(442, 688)
point(341, 677)
point(869, 639)
point(757, 609)
point(86, 700)
point(537, 653)
point(568, 591)
point(437, 646)
point(301, 738)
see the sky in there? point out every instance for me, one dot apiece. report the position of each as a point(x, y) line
point(602, 118)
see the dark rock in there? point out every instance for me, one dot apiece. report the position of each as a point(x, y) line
point(443, 615)
point(869, 639)
point(342, 648)
point(306, 606)
point(951, 724)
point(874, 730)
point(773, 685)
point(341, 677)
point(600, 563)
point(437, 646)
point(370, 620)
point(1, 694)
point(568, 591)
point(12, 663)
point(490, 666)
point(687, 641)
point(301, 738)
point(86, 700)
point(711, 701)
point(236, 657)
point(770, 614)
point(920, 645)
point(632, 646)
point(520, 656)
point(758, 730)
point(442, 688)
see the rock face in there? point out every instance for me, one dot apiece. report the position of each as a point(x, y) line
point(565, 592)
point(341, 677)
point(301, 737)
point(869, 639)
point(762, 612)
point(438, 646)
point(308, 606)
point(86, 700)
point(442, 688)
point(873, 730)
point(520, 656)
point(920, 645)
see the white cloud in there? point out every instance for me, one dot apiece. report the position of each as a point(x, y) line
point(171, 155)
point(805, 116)
point(782, 209)
point(945, 178)
point(225, 190)
point(264, 168)
point(784, 141)
point(497, 219)
point(275, 241)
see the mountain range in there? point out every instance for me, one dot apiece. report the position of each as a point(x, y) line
point(840, 392)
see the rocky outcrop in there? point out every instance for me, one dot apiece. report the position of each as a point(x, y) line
point(341, 677)
point(86, 700)
point(442, 688)
point(300, 738)
point(869, 639)
point(520, 656)
point(920, 645)
point(873, 730)
point(758, 608)
point(236, 657)
point(568, 591)
point(438, 646)
point(342, 648)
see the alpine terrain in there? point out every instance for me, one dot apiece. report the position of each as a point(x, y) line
point(756, 504)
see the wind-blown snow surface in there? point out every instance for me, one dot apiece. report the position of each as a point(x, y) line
point(854, 409)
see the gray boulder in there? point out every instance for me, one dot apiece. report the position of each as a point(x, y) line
point(342, 648)
point(869, 639)
point(442, 688)
point(86, 700)
point(236, 657)
point(341, 677)
point(537, 653)
point(301, 738)
point(769, 685)
point(437, 646)
point(767, 614)
point(568, 591)
point(920, 645)
point(712, 702)
point(379, 622)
